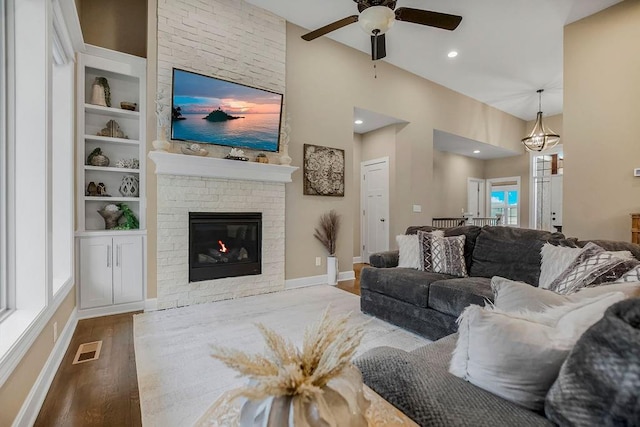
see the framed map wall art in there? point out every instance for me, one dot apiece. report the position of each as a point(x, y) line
point(323, 169)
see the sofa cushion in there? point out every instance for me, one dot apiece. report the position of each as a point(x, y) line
point(419, 384)
point(509, 252)
point(405, 284)
point(451, 296)
point(470, 233)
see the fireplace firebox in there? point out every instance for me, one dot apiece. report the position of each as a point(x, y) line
point(224, 245)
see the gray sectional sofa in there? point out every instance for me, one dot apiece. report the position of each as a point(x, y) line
point(418, 382)
point(429, 303)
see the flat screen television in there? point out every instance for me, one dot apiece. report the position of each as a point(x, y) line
point(214, 111)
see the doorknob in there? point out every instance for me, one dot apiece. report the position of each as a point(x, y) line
point(382, 219)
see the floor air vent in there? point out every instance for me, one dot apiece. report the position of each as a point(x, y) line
point(88, 352)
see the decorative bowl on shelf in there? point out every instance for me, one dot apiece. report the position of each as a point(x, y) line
point(131, 106)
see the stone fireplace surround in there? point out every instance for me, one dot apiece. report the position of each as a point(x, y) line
point(206, 184)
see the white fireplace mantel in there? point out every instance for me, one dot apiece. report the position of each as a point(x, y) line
point(212, 167)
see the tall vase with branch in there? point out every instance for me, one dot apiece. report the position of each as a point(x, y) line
point(327, 234)
point(162, 115)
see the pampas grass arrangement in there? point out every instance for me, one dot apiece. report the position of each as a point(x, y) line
point(328, 347)
point(327, 233)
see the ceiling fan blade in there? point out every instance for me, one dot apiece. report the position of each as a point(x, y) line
point(331, 27)
point(426, 17)
point(378, 47)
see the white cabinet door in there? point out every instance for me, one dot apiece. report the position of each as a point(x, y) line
point(96, 265)
point(127, 269)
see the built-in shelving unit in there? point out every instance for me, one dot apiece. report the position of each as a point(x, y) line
point(126, 76)
point(111, 263)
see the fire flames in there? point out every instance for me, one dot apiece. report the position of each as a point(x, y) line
point(223, 248)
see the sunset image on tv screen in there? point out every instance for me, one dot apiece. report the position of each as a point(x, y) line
point(213, 111)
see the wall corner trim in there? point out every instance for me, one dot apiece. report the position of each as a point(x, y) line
point(32, 404)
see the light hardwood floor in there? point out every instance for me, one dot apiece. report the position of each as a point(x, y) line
point(105, 392)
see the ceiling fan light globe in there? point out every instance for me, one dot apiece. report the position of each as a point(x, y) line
point(379, 18)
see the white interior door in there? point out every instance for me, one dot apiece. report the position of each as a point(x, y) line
point(556, 200)
point(375, 207)
point(475, 198)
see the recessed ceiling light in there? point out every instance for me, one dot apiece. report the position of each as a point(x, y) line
point(452, 54)
point(358, 122)
point(476, 151)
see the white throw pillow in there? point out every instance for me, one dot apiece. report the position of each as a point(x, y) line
point(556, 259)
point(517, 356)
point(512, 296)
point(409, 251)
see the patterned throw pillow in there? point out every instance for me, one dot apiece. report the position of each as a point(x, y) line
point(447, 256)
point(425, 240)
point(632, 275)
point(592, 267)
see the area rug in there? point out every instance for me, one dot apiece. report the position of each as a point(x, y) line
point(177, 378)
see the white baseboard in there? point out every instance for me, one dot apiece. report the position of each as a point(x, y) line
point(357, 259)
point(151, 304)
point(317, 280)
point(110, 310)
point(32, 404)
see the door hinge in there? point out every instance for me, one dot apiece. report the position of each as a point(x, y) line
point(363, 247)
point(363, 212)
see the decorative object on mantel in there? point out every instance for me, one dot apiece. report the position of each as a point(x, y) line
point(262, 158)
point(541, 137)
point(327, 234)
point(96, 158)
point(323, 169)
point(128, 164)
point(313, 386)
point(130, 186)
point(111, 214)
point(236, 154)
point(112, 130)
point(131, 106)
point(161, 143)
point(194, 150)
point(100, 92)
point(285, 132)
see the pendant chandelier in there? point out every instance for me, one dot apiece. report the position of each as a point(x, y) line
point(541, 137)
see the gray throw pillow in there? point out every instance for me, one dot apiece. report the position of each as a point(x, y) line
point(599, 383)
point(447, 256)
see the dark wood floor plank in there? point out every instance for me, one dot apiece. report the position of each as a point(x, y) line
point(96, 393)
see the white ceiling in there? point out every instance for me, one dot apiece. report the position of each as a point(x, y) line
point(444, 141)
point(507, 48)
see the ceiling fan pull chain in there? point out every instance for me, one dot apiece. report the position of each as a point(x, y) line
point(375, 71)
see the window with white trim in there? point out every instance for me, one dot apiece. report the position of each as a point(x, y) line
point(38, 40)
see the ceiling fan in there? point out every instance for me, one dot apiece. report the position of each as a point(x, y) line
point(377, 16)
